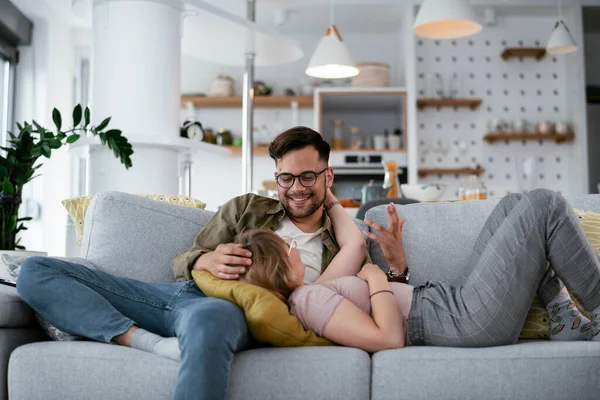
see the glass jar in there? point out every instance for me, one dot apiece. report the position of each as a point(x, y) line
point(472, 189)
point(338, 142)
point(355, 139)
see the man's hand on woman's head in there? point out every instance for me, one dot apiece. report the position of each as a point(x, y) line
point(228, 261)
point(390, 238)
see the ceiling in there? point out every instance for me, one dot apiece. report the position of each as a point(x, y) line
point(351, 16)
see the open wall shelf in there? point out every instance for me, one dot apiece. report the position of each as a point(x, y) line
point(471, 103)
point(514, 52)
point(423, 172)
point(236, 101)
point(558, 138)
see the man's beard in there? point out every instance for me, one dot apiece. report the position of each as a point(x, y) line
point(314, 203)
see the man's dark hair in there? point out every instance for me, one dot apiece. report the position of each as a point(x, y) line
point(298, 138)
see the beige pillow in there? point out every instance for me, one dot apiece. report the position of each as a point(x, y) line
point(77, 207)
point(537, 325)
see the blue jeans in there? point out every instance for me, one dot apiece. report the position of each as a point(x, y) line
point(100, 306)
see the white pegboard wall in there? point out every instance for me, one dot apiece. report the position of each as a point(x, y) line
point(510, 90)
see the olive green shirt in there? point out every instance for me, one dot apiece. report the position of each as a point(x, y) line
point(245, 212)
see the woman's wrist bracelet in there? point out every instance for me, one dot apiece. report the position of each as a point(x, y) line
point(330, 205)
point(381, 291)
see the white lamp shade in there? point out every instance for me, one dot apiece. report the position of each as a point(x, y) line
point(561, 41)
point(331, 59)
point(446, 19)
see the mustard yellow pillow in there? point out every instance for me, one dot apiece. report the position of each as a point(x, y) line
point(77, 207)
point(537, 325)
point(269, 318)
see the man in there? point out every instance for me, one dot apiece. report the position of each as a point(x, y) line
point(204, 333)
point(302, 174)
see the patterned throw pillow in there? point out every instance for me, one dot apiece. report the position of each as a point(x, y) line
point(77, 207)
point(537, 325)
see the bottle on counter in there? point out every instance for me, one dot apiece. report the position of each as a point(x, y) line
point(355, 139)
point(390, 179)
point(472, 189)
point(338, 142)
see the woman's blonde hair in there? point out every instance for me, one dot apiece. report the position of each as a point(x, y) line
point(270, 267)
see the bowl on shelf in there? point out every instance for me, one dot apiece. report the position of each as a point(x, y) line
point(423, 192)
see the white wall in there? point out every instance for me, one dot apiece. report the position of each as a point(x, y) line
point(45, 79)
point(197, 76)
point(548, 90)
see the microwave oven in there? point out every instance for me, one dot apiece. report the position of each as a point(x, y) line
point(353, 170)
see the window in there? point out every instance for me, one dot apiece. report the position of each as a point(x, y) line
point(6, 98)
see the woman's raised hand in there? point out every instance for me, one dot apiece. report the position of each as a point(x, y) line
point(390, 238)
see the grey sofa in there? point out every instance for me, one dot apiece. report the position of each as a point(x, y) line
point(136, 237)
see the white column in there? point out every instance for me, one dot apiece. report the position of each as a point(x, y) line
point(136, 57)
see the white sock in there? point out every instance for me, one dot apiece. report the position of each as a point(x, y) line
point(566, 322)
point(152, 343)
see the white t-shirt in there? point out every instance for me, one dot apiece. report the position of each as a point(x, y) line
point(310, 247)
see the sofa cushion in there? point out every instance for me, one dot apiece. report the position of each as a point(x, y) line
point(128, 235)
point(534, 370)
point(90, 370)
point(77, 207)
point(438, 237)
point(269, 318)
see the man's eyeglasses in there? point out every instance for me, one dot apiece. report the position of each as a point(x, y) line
point(306, 179)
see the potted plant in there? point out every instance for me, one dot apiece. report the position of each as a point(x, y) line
point(18, 163)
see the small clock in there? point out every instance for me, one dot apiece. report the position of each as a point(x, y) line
point(192, 130)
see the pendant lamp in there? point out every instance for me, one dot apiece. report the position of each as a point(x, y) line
point(331, 59)
point(446, 19)
point(561, 40)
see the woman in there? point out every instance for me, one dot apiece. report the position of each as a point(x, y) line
point(526, 239)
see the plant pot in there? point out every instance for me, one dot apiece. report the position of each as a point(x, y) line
point(9, 211)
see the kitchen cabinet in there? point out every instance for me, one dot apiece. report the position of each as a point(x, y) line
point(373, 110)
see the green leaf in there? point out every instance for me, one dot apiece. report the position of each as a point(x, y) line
point(45, 151)
point(86, 116)
point(38, 126)
point(54, 144)
point(19, 247)
point(19, 126)
point(73, 138)
point(103, 124)
point(24, 219)
point(57, 118)
point(7, 187)
point(13, 223)
point(77, 112)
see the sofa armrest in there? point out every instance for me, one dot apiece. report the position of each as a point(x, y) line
point(14, 312)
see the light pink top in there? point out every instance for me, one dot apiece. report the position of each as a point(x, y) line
point(315, 304)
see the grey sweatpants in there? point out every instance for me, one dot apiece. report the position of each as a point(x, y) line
point(527, 244)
